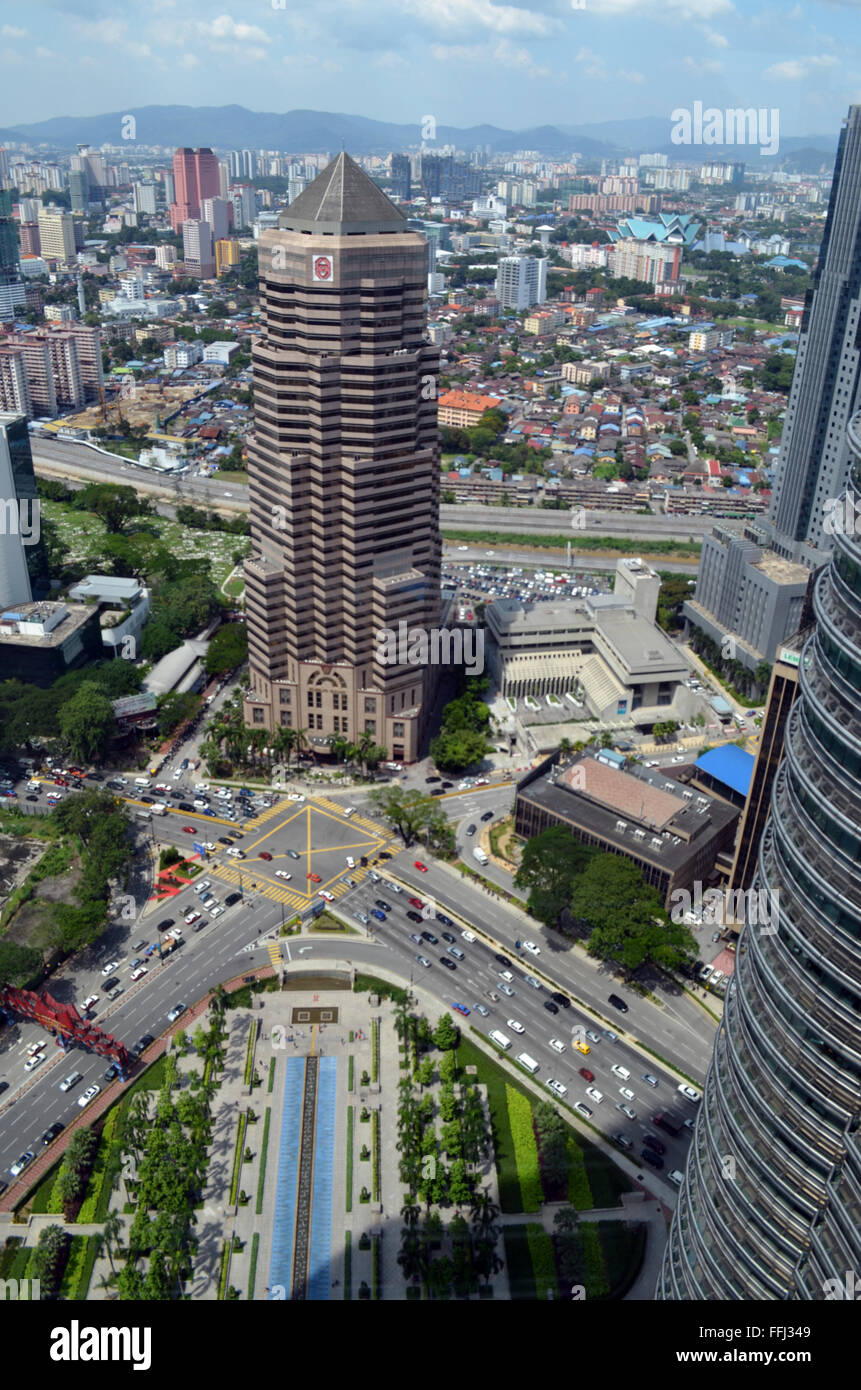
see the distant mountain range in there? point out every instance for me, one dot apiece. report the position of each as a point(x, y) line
point(310, 132)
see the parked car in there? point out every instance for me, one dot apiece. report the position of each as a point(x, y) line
point(110, 967)
point(582, 1109)
point(622, 1141)
point(558, 1087)
point(142, 1044)
point(423, 960)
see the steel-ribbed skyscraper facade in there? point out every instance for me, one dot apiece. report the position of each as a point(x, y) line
point(771, 1204)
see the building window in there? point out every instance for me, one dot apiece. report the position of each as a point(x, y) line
point(370, 726)
point(398, 730)
point(310, 699)
point(258, 716)
point(285, 716)
point(370, 705)
point(284, 696)
point(319, 695)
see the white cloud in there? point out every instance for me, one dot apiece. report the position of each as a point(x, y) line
point(703, 65)
point(189, 60)
point(503, 53)
point(483, 14)
point(635, 78)
point(793, 69)
point(675, 10)
point(391, 61)
point(9, 31)
point(45, 53)
point(716, 40)
point(593, 63)
point(225, 27)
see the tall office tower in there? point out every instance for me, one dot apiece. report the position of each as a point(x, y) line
point(344, 469)
point(79, 190)
point(169, 187)
point(826, 384)
point(4, 166)
point(771, 1203)
point(218, 212)
point(13, 296)
point(401, 183)
point(244, 206)
point(223, 178)
point(23, 562)
point(57, 235)
point(521, 281)
point(234, 159)
point(247, 165)
point(198, 251)
point(195, 176)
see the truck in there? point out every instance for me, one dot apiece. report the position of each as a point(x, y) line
point(159, 808)
point(170, 942)
point(480, 855)
point(668, 1122)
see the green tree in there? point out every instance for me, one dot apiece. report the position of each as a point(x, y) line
point(549, 865)
point(446, 1034)
point(87, 723)
point(625, 917)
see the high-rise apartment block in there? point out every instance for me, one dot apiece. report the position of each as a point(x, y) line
point(198, 252)
point(401, 179)
point(521, 281)
point(57, 235)
point(61, 365)
point(344, 470)
point(218, 212)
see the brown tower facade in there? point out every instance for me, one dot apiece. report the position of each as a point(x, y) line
point(344, 469)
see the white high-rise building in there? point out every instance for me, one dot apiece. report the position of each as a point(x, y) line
point(521, 281)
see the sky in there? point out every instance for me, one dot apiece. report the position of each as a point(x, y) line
point(464, 62)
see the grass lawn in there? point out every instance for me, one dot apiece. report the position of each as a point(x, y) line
point(227, 477)
point(623, 1251)
point(234, 587)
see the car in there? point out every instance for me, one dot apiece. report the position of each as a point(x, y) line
point(429, 936)
point(51, 1133)
point(506, 989)
point(142, 970)
point(561, 999)
point(551, 1007)
point(89, 1002)
point(140, 946)
point(361, 917)
point(31, 797)
point(133, 965)
point(71, 1080)
point(429, 780)
point(652, 1142)
point(446, 921)
point(383, 905)
point(349, 811)
point(215, 911)
point(596, 1095)
point(89, 1094)
point(414, 936)
point(649, 1079)
point(176, 1012)
point(647, 1156)
point(438, 791)
point(325, 894)
point(112, 1072)
point(532, 982)
point(423, 960)
point(282, 873)
point(582, 1047)
point(295, 796)
point(315, 878)
point(676, 1176)
point(19, 1166)
point(35, 1061)
point(586, 1073)
point(225, 840)
point(626, 1092)
point(416, 902)
point(621, 1072)
point(611, 1037)
point(617, 1002)
point(232, 898)
point(506, 975)
point(422, 868)
point(163, 787)
point(190, 918)
point(264, 854)
point(558, 1087)
point(449, 964)
point(165, 923)
point(292, 854)
point(503, 960)
point(189, 830)
point(626, 1110)
point(111, 986)
point(480, 1009)
point(530, 946)
point(110, 967)
point(622, 1140)
point(470, 830)
point(582, 1109)
point(465, 935)
point(142, 1044)
point(461, 1009)
point(380, 916)
point(240, 854)
point(373, 875)
point(488, 815)
point(515, 1026)
point(690, 1093)
point(416, 917)
point(395, 887)
point(447, 936)
point(592, 1035)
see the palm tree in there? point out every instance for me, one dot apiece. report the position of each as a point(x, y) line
point(111, 1232)
point(300, 740)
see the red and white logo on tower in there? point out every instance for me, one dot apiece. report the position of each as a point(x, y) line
point(321, 268)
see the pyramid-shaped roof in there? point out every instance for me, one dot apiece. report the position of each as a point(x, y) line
point(342, 199)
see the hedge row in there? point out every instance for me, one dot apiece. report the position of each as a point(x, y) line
point(543, 1262)
point(594, 1269)
point(579, 1191)
point(525, 1148)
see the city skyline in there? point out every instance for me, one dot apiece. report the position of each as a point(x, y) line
point(599, 61)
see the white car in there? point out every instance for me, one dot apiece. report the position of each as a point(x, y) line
point(676, 1177)
point(530, 946)
point(582, 1109)
point(350, 861)
point(163, 787)
point(110, 967)
point(626, 1092)
point(626, 1110)
point(423, 960)
point(690, 1093)
point(324, 893)
point(199, 805)
point(515, 1026)
point(349, 811)
point(282, 873)
point(468, 936)
point(621, 1072)
point(215, 911)
point(557, 1045)
point(557, 1087)
point(142, 970)
point(505, 975)
point(236, 853)
point(295, 796)
point(209, 845)
point(395, 887)
point(88, 1003)
point(71, 1080)
point(34, 1048)
point(596, 1095)
point(35, 1061)
point(89, 1094)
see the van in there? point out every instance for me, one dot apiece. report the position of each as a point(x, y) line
point(141, 781)
point(159, 809)
point(480, 855)
point(144, 813)
point(500, 1039)
point(528, 1062)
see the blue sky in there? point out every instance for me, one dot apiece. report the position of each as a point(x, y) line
point(463, 61)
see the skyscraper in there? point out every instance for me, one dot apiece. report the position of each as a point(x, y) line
point(344, 468)
point(23, 560)
point(12, 292)
point(771, 1203)
point(521, 281)
point(195, 177)
point(826, 384)
point(198, 250)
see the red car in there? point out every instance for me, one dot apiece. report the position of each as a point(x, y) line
point(315, 878)
point(61, 782)
point(423, 868)
point(264, 854)
point(415, 902)
point(587, 1074)
point(189, 830)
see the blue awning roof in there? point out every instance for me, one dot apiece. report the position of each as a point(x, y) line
point(731, 765)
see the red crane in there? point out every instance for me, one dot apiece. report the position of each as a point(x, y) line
point(64, 1023)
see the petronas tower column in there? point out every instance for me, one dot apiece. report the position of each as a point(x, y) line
point(771, 1203)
